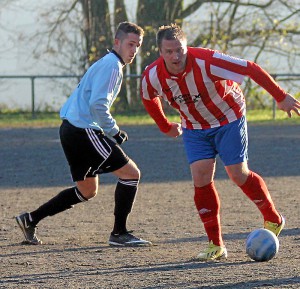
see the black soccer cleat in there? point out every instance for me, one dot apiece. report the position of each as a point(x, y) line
point(127, 240)
point(28, 229)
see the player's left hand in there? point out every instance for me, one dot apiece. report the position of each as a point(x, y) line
point(121, 137)
point(290, 104)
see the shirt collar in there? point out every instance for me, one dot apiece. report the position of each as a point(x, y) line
point(120, 58)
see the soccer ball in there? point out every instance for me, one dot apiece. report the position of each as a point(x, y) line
point(262, 245)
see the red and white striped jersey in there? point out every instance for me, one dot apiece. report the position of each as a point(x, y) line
point(207, 94)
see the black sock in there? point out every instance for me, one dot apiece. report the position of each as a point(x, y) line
point(66, 199)
point(124, 198)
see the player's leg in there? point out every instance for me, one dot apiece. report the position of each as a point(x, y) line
point(64, 200)
point(201, 156)
point(81, 155)
point(255, 188)
point(206, 199)
point(208, 206)
point(233, 150)
point(125, 193)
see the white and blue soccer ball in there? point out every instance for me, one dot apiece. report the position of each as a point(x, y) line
point(262, 245)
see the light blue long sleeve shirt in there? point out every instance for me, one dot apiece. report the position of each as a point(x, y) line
point(89, 104)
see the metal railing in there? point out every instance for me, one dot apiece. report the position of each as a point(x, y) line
point(291, 76)
point(32, 79)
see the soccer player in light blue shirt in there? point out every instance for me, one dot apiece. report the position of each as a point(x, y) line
point(89, 105)
point(86, 135)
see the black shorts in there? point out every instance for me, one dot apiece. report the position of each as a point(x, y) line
point(89, 152)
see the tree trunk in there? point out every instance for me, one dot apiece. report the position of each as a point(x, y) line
point(97, 28)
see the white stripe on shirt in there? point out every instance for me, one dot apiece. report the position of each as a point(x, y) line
point(113, 80)
point(226, 74)
point(229, 58)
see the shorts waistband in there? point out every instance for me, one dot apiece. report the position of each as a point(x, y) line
point(65, 121)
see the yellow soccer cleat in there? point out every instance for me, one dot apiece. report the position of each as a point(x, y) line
point(274, 227)
point(213, 252)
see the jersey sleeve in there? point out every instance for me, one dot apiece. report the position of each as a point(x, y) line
point(266, 81)
point(153, 105)
point(224, 66)
point(155, 110)
point(105, 82)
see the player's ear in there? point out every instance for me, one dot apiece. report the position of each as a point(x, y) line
point(117, 42)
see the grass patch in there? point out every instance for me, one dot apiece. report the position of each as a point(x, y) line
point(51, 119)
point(266, 117)
point(25, 119)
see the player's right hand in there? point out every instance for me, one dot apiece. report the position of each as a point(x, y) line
point(121, 137)
point(175, 130)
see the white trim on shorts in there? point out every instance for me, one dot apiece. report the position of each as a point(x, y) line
point(98, 146)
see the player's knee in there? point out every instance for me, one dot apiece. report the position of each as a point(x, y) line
point(201, 180)
point(238, 173)
point(238, 178)
point(133, 175)
point(89, 194)
point(133, 172)
point(137, 174)
point(88, 189)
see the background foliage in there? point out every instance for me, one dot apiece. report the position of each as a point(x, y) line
point(78, 32)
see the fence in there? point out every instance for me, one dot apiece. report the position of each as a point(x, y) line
point(32, 78)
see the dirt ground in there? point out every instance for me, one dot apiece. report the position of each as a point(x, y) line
point(75, 253)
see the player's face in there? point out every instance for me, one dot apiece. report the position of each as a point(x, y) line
point(174, 53)
point(128, 47)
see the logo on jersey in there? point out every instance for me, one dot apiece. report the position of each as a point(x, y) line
point(187, 98)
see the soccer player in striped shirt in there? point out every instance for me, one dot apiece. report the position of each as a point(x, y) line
point(90, 138)
point(203, 85)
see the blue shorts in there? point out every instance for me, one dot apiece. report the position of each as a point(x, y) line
point(229, 141)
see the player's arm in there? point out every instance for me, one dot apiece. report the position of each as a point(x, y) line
point(265, 80)
point(223, 66)
point(100, 107)
point(155, 110)
point(285, 101)
point(228, 67)
point(153, 106)
point(101, 99)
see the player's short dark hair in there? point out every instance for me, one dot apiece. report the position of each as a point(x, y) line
point(169, 32)
point(128, 27)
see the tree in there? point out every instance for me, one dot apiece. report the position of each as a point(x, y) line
point(256, 30)
point(262, 31)
point(97, 28)
point(150, 15)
